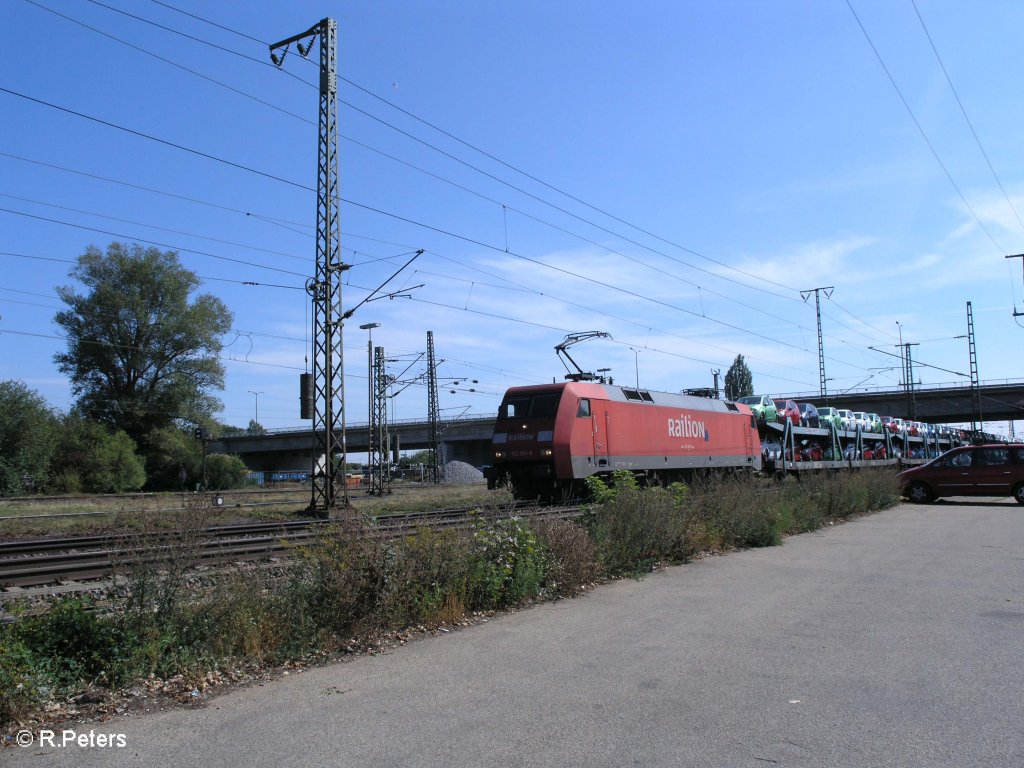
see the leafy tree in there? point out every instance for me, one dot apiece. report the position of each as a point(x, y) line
point(425, 456)
point(739, 382)
point(28, 431)
point(140, 354)
point(93, 459)
point(255, 428)
point(169, 451)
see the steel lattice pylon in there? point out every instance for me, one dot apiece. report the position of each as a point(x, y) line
point(976, 422)
point(433, 411)
point(908, 373)
point(329, 450)
point(822, 380)
point(380, 476)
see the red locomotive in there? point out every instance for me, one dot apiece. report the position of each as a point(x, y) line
point(549, 438)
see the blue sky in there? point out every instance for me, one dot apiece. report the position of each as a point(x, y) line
point(671, 173)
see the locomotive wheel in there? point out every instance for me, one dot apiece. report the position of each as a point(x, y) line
point(919, 493)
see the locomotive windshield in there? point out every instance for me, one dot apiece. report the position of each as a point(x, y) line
point(530, 406)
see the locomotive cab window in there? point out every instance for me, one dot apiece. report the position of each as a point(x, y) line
point(516, 408)
point(583, 411)
point(544, 406)
point(536, 406)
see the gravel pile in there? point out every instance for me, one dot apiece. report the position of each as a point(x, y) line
point(458, 472)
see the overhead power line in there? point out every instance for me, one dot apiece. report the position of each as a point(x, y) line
point(373, 209)
point(150, 242)
point(261, 216)
point(165, 142)
point(155, 226)
point(759, 278)
point(963, 111)
point(701, 315)
point(920, 128)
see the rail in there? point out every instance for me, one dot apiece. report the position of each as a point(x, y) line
point(87, 558)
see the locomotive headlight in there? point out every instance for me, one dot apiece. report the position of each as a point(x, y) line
point(498, 454)
point(546, 452)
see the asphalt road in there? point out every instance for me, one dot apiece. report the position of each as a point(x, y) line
point(893, 640)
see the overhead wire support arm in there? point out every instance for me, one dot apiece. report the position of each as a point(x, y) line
point(311, 33)
point(395, 294)
point(1021, 257)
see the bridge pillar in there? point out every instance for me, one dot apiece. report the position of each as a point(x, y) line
point(476, 454)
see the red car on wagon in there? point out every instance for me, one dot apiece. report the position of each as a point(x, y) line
point(788, 409)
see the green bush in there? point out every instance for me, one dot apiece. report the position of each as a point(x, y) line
point(24, 685)
point(506, 564)
point(72, 641)
point(28, 432)
point(93, 459)
point(224, 472)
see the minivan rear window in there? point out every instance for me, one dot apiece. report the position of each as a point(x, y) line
point(993, 457)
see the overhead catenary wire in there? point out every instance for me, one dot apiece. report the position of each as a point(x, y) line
point(567, 271)
point(246, 246)
point(166, 5)
point(504, 206)
point(758, 278)
point(963, 111)
point(921, 131)
point(165, 193)
point(491, 315)
point(701, 314)
point(485, 173)
point(374, 209)
point(149, 241)
point(165, 142)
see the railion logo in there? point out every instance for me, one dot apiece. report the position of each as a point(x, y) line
point(684, 426)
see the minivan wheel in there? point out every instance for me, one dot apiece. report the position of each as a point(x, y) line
point(920, 494)
point(1018, 493)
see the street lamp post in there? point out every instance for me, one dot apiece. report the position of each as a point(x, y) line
point(253, 392)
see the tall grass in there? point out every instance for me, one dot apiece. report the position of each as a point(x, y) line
point(350, 583)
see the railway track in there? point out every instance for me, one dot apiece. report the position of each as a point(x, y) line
point(80, 560)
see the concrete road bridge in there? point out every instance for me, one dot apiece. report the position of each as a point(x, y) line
point(466, 439)
point(934, 404)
